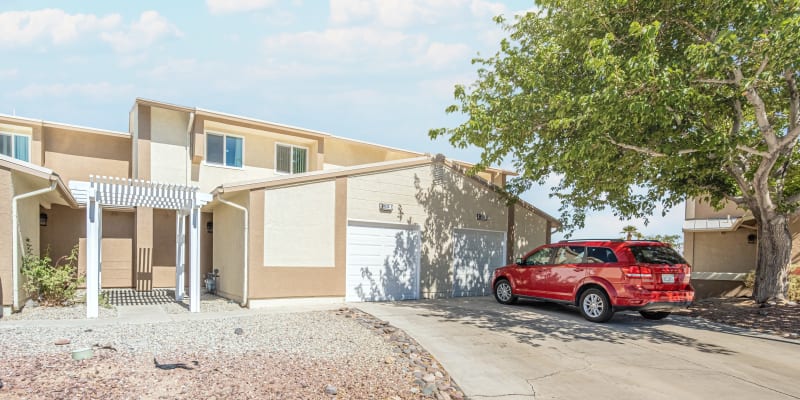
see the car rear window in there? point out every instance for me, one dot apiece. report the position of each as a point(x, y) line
point(656, 255)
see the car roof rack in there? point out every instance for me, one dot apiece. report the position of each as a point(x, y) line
point(590, 240)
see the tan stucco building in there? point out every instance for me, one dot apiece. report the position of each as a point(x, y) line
point(721, 245)
point(296, 213)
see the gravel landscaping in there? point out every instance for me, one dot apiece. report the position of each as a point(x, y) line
point(311, 355)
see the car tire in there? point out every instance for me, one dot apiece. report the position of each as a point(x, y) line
point(503, 292)
point(595, 305)
point(654, 315)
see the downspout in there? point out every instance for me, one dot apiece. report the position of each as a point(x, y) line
point(15, 237)
point(246, 271)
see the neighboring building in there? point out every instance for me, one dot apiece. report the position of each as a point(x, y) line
point(325, 216)
point(721, 245)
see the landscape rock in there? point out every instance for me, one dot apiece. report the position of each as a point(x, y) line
point(62, 342)
point(429, 389)
point(331, 390)
point(238, 331)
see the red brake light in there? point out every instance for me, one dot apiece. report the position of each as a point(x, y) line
point(637, 271)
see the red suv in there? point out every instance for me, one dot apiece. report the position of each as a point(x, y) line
point(600, 277)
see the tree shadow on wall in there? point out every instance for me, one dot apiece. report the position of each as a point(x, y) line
point(457, 264)
point(396, 278)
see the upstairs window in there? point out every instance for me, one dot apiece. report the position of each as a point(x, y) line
point(15, 146)
point(223, 149)
point(290, 159)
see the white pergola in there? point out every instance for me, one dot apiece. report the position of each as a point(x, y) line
point(111, 192)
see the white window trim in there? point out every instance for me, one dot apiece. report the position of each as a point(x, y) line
point(291, 157)
point(14, 148)
point(224, 145)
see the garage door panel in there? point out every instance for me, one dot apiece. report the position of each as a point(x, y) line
point(382, 263)
point(476, 255)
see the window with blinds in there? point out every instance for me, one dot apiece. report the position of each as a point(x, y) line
point(290, 159)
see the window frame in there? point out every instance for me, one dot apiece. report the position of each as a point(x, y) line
point(224, 136)
point(291, 158)
point(13, 135)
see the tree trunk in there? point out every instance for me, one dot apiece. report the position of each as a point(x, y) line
point(774, 256)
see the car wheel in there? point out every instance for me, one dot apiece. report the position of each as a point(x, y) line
point(595, 305)
point(654, 315)
point(503, 293)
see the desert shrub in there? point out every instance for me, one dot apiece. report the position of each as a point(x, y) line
point(47, 282)
point(794, 282)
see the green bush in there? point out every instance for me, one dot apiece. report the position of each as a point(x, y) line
point(49, 283)
point(794, 282)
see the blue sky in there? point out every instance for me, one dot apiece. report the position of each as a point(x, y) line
point(375, 70)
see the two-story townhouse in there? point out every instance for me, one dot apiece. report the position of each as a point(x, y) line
point(721, 245)
point(295, 212)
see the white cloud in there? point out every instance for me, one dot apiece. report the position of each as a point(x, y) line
point(100, 90)
point(367, 46)
point(8, 73)
point(20, 28)
point(141, 34)
point(404, 13)
point(236, 6)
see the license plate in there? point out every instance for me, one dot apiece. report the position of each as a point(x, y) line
point(667, 278)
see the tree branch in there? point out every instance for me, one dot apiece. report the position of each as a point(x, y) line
point(738, 175)
point(651, 153)
point(760, 110)
point(794, 98)
point(718, 81)
point(752, 151)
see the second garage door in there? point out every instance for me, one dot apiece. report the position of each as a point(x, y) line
point(476, 255)
point(382, 262)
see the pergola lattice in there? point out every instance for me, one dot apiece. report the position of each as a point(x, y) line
point(110, 192)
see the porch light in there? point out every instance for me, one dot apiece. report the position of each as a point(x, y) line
point(210, 227)
point(42, 219)
point(481, 216)
point(751, 238)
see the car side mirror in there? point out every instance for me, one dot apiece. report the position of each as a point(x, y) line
point(518, 261)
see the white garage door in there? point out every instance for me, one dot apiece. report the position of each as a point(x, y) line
point(476, 255)
point(382, 262)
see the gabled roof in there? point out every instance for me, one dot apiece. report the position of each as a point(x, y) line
point(37, 171)
point(309, 177)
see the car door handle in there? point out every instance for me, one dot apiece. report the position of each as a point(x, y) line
point(577, 269)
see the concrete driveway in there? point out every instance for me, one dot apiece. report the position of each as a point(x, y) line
point(545, 351)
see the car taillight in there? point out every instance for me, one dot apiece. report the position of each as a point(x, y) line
point(637, 271)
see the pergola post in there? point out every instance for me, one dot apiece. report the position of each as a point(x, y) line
point(93, 241)
point(180, 254)
point(194, 260)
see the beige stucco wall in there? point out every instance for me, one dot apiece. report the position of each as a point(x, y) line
point(698, 209)
point(437, 207)
point(285, 282)
point(169, 146)
point(75, 155)
point(530, 231)
point(299, 225)
point(228, 254)
point(720, 252)
point(343, 152)
point(6, 265)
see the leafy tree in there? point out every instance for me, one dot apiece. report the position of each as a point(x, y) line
point(681, 99)
point(631, 232)
point(672, 240)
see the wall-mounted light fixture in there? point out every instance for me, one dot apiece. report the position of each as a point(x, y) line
point(42, 219)
point(481, 216)
point(385, 207)
point(751, 238)
point(210, 227)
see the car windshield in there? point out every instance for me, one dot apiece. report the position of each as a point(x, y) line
point(656, 255)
